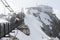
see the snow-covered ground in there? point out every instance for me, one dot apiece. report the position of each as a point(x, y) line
point(35, 30)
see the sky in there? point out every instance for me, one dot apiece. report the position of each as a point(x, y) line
point(18, 4)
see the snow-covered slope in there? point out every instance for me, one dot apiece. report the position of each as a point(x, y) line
point(36, 32)
point(49, 20)
point(42, 25)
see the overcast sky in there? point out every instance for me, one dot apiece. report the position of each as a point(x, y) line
point(18, 4)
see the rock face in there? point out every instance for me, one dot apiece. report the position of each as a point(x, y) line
point(24, 28)
point(44, 14)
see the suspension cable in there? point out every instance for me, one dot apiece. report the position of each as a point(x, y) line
point(7, 5)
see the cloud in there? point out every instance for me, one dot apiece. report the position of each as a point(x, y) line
point(57, 12)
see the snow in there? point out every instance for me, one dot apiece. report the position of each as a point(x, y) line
point(44, 18)
point(3, 20)
point(36, 33)
point(5, 38)
point(33, 11)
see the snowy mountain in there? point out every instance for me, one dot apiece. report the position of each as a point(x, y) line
point(47, 17)
point(43, 24)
